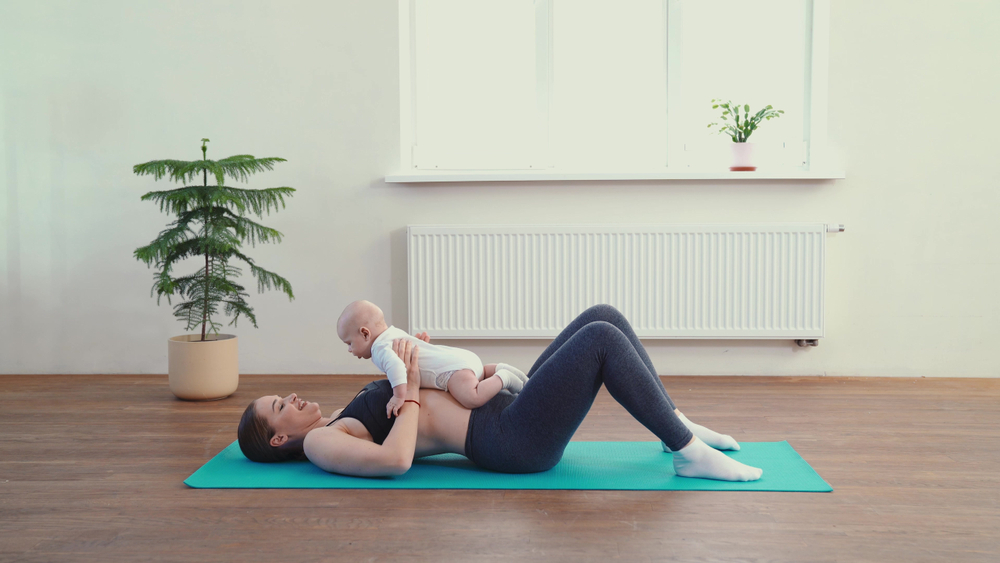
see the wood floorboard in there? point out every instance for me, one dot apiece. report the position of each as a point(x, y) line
point(92, 469)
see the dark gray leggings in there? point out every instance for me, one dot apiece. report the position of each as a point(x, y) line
point(528, 433)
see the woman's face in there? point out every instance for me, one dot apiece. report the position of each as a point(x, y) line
point(289, 416)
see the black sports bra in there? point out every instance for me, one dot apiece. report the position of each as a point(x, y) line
point(368, 406)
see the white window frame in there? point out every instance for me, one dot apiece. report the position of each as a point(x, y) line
point(819, 162)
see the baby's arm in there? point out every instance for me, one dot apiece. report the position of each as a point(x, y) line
point(399, 391)
point(396, 402)
point(395, 370)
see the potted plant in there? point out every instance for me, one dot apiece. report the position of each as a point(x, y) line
point(740, 131)
point(209, 223)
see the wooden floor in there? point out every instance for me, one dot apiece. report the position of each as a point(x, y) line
point(91, 469)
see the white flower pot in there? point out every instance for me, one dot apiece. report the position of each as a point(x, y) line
point(743, 160)
point(203, 371)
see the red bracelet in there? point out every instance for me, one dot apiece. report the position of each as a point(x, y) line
point(412, 401)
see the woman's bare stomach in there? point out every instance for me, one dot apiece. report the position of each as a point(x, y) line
point(444, 422)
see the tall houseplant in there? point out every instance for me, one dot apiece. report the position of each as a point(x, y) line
point(740, 131)
point(211, 224)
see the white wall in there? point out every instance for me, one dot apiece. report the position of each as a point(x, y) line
point(90, 89)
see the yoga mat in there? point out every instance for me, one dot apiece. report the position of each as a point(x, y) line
point(585, 465)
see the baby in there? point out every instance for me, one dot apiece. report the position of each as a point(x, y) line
point(460, 372)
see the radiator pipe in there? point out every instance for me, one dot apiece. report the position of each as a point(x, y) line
point(835, 228)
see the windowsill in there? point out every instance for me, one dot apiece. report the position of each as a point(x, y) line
point(425, 176)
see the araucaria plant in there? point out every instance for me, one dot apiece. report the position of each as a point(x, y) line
point(740, 131)
point(210, 223)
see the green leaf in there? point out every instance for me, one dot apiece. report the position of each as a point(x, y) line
point(159, 168)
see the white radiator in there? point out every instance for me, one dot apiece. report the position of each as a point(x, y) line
point(702, 281)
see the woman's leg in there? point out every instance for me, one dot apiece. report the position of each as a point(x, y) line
point(609, 314)
point(531, 433)
point(562, 389)
point(536, 427)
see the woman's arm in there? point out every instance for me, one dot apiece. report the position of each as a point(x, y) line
point(337, 451)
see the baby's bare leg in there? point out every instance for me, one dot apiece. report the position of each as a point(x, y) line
point(471, 392)
point(489, 370)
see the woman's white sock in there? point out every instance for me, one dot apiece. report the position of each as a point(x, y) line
point(697, 459)
point(520, 375)
point(511, 381)
point(710, 437)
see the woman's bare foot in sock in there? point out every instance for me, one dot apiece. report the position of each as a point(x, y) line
point(697, 459)
point(710, 437)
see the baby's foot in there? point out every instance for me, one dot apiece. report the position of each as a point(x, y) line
point(710, 437)
point(697, 459)
point(511, 381)
point(520, 375)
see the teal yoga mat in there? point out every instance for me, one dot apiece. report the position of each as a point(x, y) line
point(585, 465)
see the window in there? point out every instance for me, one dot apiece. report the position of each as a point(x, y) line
point(755, 56)
point(475, 84)
point(602, 85)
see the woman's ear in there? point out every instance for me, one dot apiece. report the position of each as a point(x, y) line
point(278, 439)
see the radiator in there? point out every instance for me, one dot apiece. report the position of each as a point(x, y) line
point(705, 281)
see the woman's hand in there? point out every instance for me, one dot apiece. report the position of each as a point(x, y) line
point(409, 353)
point(422, 336)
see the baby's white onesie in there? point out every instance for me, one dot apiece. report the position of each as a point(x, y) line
point(437, 362)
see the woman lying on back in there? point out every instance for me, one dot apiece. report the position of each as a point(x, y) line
point(522, 433)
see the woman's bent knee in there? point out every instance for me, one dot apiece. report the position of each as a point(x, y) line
point(602, 328)
point(604, 312)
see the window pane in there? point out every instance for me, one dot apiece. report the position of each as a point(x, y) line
point(609, 83)
point(475, 83)
point(750, 53)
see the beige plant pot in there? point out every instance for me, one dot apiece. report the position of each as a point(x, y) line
point(203, 371)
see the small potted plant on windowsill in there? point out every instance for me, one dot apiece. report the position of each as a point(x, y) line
point(740, 131)
point(202, 367)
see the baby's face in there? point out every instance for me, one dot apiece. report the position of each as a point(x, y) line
point(358, 344)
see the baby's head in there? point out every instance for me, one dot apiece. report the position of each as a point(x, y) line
point(359, 325)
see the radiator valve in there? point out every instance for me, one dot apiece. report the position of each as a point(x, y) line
point(804, 343)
